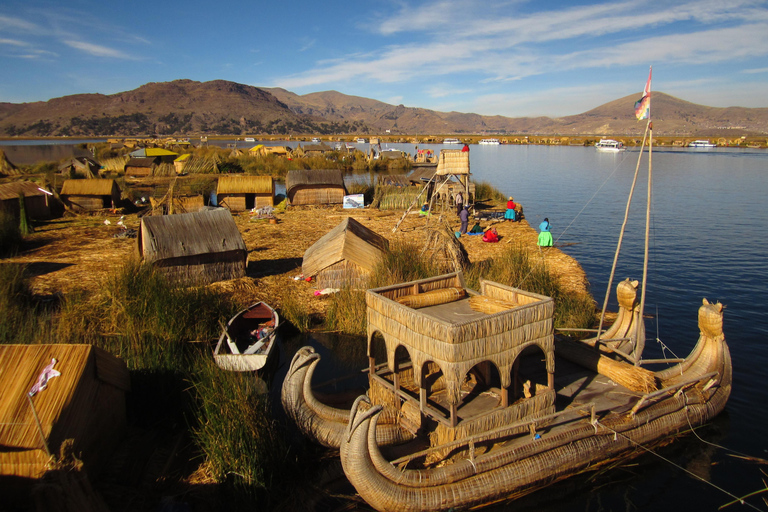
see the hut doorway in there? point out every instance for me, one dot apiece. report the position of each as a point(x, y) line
point(250, 201)
point(529, 374)
point(481, 390)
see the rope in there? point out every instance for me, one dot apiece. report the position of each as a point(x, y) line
point(690, 473)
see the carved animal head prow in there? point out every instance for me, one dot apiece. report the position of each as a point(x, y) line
point(711, 319)
point(626, 292)
point(302, 356)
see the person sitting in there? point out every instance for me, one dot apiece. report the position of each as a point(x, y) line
point(424, 210)
point(491, 236)
point(511, 213)
point(476, 229)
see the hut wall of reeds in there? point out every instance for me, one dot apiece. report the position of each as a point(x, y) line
point(345, 256)
point(453, 337)
point(194, 248)
point(85, 403)
point(36, 202)
point(84, 165)
point(92, 194)
point(322, 186)
point(141, 167)
point(240, 193)
point(453, 161)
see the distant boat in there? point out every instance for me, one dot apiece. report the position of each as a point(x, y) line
point(451, 141)
point(490, 141)
point(701, 144)
point(361, 141)
point(316, 140)
point(250, 139)
point(609, 145)
point(247, 340)
point(349, 145)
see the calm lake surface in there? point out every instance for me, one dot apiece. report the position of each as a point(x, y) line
point(708, 239)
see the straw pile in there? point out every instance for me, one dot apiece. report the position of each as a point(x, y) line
point(488, 305)
point(631, 377)
point(433, 298)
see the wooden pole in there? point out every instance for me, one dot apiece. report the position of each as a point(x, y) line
point(39, 426)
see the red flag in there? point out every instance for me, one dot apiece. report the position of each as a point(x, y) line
point(42, 381)
point(643, 105)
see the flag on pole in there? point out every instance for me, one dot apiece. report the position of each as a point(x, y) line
point(42, 381)
point(643, 105)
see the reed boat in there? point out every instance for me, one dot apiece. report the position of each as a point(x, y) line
point(248, 339)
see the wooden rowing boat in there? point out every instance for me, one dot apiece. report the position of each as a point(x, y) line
point(248, 339)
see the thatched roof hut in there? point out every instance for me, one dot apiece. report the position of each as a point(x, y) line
point(85, 403)
point(345, 256)
point(453, 161)
point(313, 149)
point(143, 166)
point(194, 248)
point(6, 167)
point(90, 194)
point(35, 200)
point(322, 186)
point(84, 165)
point(240, 193)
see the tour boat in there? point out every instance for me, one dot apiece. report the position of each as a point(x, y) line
point(609, 145)
point(490, 142)
point(701, 144)
point(451, 141)
point(250, 139)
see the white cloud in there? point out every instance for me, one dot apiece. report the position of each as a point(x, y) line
point(13, 42)
point(97, 50)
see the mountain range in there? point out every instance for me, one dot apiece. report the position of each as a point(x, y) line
point(187, 107)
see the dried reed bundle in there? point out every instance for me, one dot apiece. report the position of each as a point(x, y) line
point(488, 305)
point(432, 298)
point(631, 377)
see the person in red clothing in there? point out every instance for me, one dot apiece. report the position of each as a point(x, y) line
point(511, 214)
point(465, 148)
point(491, 236)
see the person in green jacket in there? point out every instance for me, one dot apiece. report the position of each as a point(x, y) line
point(545, 237)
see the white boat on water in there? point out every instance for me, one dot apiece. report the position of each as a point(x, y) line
point(609, 145)
point(315, 140)
point(701, 144)
point(247, 340)
point(361, 141)
point(250, 139)
point(451, 141)
point(494, 142)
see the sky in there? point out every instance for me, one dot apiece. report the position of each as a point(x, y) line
point(512, 58)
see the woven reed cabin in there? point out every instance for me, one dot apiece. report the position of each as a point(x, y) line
point(315, 187)
point(345, 256)
point(241, 193)
point(36, 202)
point(92, 194)
point(453, 354)
point(85, 403)
point(194, 248)
point(83, 165)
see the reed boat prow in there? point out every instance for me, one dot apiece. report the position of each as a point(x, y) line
point(323, 423)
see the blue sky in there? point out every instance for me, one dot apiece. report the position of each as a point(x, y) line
point(513, 58)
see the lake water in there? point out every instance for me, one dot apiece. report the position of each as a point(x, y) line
point(708, 230)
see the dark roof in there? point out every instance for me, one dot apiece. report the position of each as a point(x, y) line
point(141, 162)
point(13, 189)
point(189, 234)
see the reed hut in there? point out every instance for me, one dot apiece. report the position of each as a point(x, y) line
point(345, 256)
point(35, 200)
point(86, 402)
point(181, 161)
point(313, 150)
point(163, 155)
point(322, 186)
point(194, 248)
point(141, 167)
point(92, 194)
point(6, 167)
point(83, 165)
point(240, 193)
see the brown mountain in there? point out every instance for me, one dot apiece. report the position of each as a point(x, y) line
point(186, 107)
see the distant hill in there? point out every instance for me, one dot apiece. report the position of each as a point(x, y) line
point(186, 107)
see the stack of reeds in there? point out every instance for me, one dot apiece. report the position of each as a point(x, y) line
point(631, 377)
point(489, 305)
point(432, 298)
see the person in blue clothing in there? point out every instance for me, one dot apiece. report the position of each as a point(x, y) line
point(545, 237)
point(464, 217)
